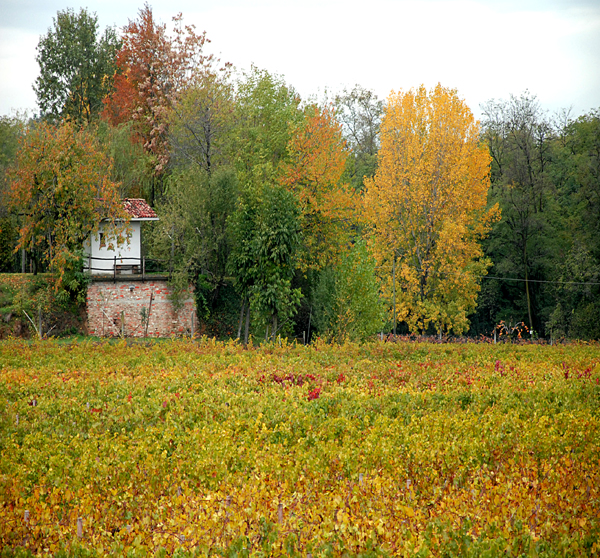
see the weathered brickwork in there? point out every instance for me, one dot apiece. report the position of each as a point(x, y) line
point(120, 308)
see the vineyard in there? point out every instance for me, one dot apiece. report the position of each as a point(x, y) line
point(195, 448)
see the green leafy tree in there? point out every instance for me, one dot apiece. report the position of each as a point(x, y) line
point(193, 225)
point(266, 110)
point(133, 166)
point(265, 238)
point(76, 67)
point(523, 245)
point(360, 111)
point(346, 298)
point(11, 130)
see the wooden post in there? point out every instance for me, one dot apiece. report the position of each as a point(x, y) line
point(79, 528)
point(143, 269)
point(115, 270)
point(40, 322)
point(148, 316)
point(394, 290)
point(23, 260)
point(280, 513)
point(123, 323)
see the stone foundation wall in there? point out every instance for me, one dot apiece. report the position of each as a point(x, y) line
point(115, 308)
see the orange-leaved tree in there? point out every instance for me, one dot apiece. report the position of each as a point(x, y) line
point(426, 208)
point(58, 186)
point(152, 69)
point(316, 161)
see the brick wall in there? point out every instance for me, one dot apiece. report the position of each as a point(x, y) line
point(112, 306)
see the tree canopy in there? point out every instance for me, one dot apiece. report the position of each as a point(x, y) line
point(426, 207)
point(60, 191)
point(76, 67)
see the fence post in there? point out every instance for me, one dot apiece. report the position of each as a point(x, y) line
point(143, 269)
point(40, 322)
point(115, 270)
point(79, 528)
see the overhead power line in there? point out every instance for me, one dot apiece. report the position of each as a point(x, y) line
point(540, 280)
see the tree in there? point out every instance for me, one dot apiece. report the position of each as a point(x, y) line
point(313, 170)
point(76, 67)
point(59, 186)
point(11, 130)
point(520, 140)
point(346, 297)
point(194, 215)
point(359, 111)
point(266, 110)
point(265, 235)
point(202, 123)
point(153, 68)
point(426, 208)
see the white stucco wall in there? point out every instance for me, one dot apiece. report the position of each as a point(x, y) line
point(128, 251)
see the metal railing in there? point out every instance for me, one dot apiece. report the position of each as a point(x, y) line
point(140, 267)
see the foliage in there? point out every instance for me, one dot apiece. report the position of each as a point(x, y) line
point(76, 67)
point(153, 68)
point(346, 298)
point(359, 112)
point(202, 123)
point(193, 225)
point(313, 171)
point(60, 189)
point(518, 135)
point(132, 168)
point(426, 208)
point(404, 449)
point(265, 237)
point(266, 111)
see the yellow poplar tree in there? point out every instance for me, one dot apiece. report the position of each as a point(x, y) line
point(425, 208)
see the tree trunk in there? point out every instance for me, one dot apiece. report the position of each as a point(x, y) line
point(247, 325)
point(239, 334)
point(527, 289)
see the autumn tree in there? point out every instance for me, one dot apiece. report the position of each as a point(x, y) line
point(426, 208)
point(152, 69)
point(59, 188)
point(76, 67)
point(313, 171)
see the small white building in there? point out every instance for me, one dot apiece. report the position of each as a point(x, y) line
point(122, 256)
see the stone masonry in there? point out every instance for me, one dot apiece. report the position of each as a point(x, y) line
point(120, 308)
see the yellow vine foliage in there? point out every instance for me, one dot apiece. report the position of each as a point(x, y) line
point(426, 206)
point(201, 448)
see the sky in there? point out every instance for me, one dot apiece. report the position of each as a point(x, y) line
point(486, 49)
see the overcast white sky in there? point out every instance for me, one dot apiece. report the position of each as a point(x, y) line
point(484, 48)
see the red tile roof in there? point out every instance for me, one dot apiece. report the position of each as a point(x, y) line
point(139, 209)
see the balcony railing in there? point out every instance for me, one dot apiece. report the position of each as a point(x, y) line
point(124, 268)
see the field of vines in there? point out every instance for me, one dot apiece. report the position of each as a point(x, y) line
point(196, 448)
